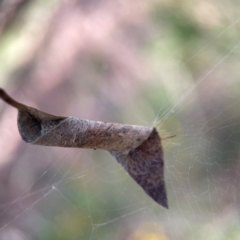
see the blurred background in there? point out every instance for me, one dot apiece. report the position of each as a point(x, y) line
point(165, 63)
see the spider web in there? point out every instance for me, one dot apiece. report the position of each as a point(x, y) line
point(85, 194)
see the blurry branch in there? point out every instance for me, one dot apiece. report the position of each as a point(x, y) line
point(8, 12)
point(137, 148)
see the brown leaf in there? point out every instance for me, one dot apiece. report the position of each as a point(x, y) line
point(145, 165)
point(137, 148)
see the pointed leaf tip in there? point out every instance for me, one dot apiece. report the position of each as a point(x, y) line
point(145, 165)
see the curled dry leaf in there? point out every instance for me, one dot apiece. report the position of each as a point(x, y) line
point(137, 148)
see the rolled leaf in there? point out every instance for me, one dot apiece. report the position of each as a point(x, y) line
point(137, 148)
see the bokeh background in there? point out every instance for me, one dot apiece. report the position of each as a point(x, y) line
point(172, 64)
